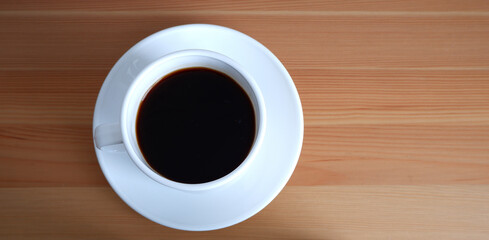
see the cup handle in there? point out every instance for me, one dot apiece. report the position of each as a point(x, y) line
point(107, 134)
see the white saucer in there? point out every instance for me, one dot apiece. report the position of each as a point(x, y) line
point(266, 176)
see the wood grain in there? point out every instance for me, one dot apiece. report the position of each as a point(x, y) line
point(252, 5)
point(325, 212)
point(395, 97)
point(95, 40)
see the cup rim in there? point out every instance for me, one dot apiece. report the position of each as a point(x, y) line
point(260, 124)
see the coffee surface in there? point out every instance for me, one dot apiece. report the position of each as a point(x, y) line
point(195, 125)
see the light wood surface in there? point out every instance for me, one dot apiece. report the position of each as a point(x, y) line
point(395, 97)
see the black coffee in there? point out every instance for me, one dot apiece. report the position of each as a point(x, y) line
point(195, 125)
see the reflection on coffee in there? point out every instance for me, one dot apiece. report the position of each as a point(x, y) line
point(195, 125)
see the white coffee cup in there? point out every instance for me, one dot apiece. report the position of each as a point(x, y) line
point(124, 132)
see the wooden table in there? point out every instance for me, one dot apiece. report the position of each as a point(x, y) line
point(395, 97)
